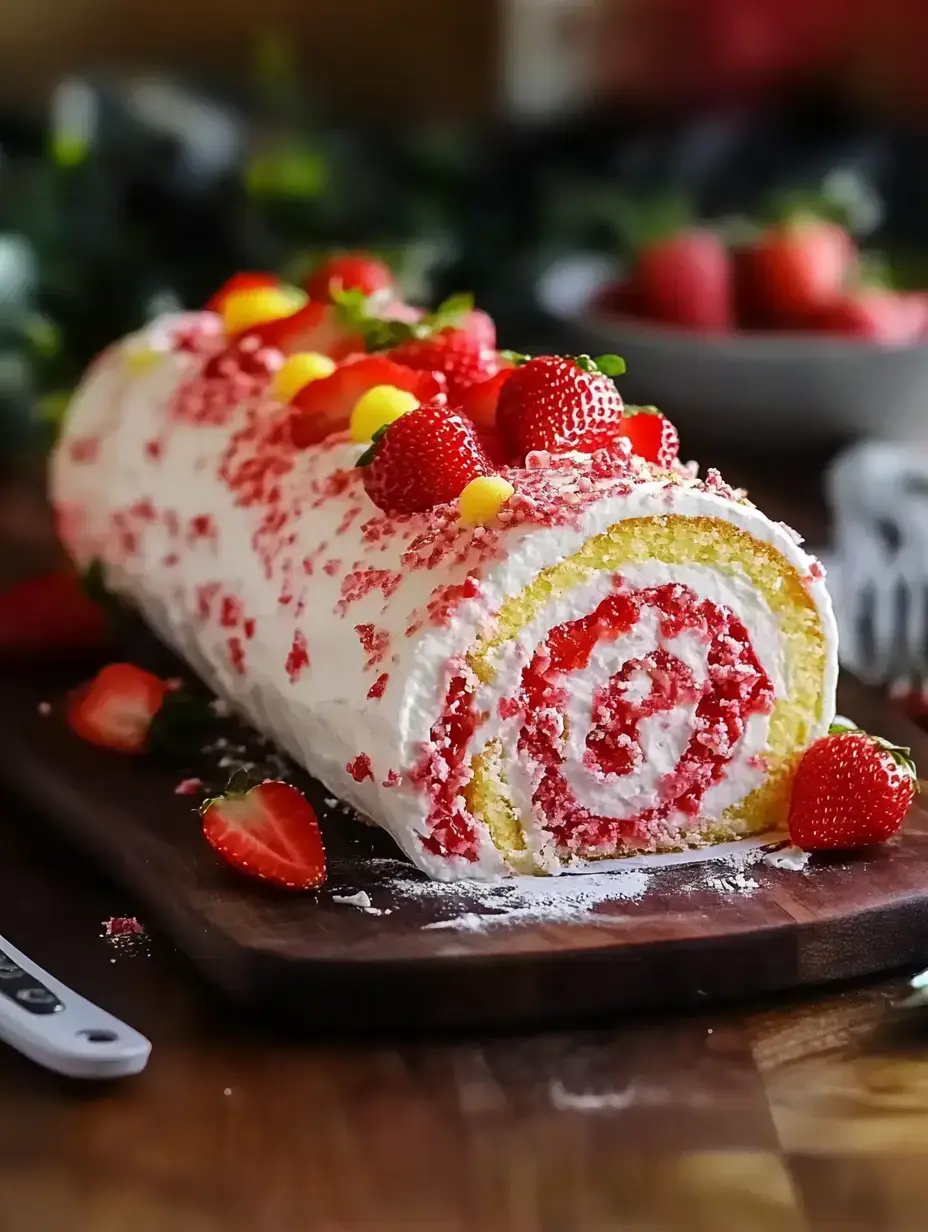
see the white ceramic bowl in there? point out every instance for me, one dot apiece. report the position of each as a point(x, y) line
point(755, 389)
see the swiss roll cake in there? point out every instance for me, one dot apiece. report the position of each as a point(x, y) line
point(582, 655)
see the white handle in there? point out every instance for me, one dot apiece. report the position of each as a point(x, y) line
point(55, 1027)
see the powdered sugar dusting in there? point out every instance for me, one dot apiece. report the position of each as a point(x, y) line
point(790, 858)
point(488, 904)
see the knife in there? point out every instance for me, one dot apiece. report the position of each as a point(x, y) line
point(57, 1028)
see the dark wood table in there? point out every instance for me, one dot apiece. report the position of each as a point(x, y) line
point(805, 1114)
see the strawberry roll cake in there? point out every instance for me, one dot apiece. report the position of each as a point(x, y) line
point(472, 594)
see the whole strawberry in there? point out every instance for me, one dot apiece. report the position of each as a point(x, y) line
point(892, 318)
point(481, 327)
point(350, 271)
point(687, 281)
point(557, 404)
point(850, 790)
point(795, 268)
point(426, 457)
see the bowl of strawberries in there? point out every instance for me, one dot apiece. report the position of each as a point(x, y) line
point(788, 329)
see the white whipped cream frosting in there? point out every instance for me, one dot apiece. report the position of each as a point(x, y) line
point(325, 718)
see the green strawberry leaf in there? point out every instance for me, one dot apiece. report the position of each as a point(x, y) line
point(642, 410)
point(604, 365)
point(360, 313)
point(448, 315)
point(901, 756)
point(610, 365)
point(370, 453)
point(240, 784)
point(639, 223)
point(874, 270)
point(515, 358)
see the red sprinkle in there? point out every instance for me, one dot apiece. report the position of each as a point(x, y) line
point(84, 449)
point(376, 690)
point(298, 658)
point(230, 612)
point(122, 926)
point(374, 642)
point(237, 655)
point(205, 595)
point(361, 768)
point(201, 527)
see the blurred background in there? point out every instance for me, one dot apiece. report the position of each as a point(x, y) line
point(537, 152)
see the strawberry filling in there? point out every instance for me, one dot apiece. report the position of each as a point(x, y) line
point(733, 687)
point(443, 773)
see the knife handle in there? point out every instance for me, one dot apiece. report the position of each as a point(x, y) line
point(55, 1027)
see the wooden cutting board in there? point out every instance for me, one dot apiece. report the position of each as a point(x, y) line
point(430, 955)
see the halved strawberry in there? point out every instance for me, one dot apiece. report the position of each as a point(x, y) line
point(652, 436)
point(240, 282)
point(316, 327)
point(50, 614)
point(116, 708)
point(350, 271)
point(323, 407)
point(426, 457)
point(269, 831)
point(479, 401)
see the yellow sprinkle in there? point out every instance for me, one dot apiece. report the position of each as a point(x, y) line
point(378, 407)
point(243, 309)
point(483, 498)
point(141, 359)
point(298, 371)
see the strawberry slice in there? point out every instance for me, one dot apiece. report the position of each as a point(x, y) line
point(323, 407)
point(479, 401)
point(240, 282)
point(350, 271)
point(316, 327)
point(50, 614)
point(116, 709)
point(652, 436)
point(268, 831)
